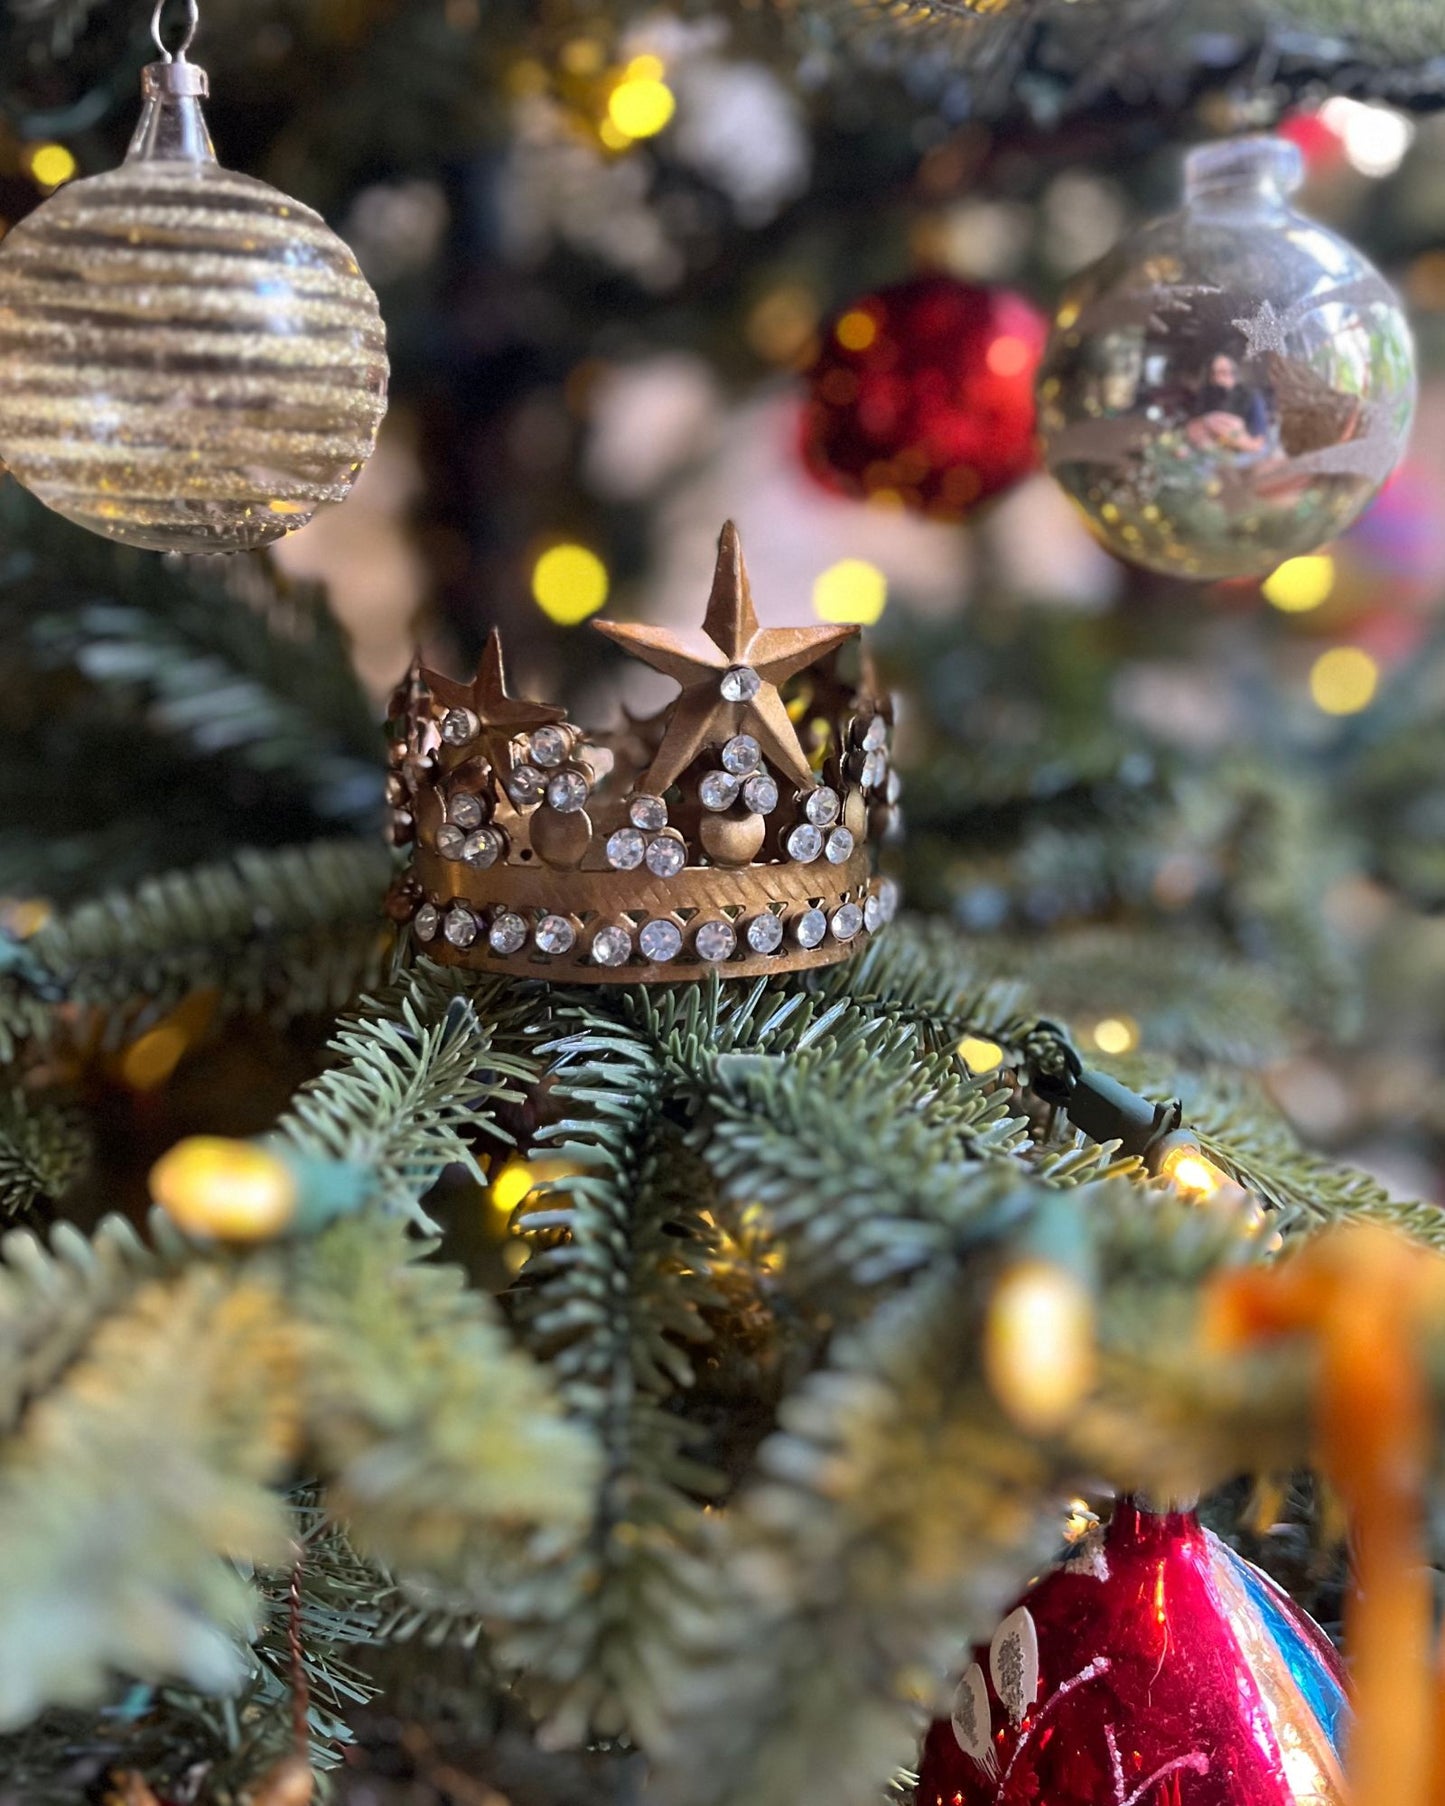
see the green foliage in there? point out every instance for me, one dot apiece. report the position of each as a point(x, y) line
point(287, 933)
point(43, 1146)
point(416, 1067)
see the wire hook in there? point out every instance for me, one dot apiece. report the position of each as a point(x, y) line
point(193, 20)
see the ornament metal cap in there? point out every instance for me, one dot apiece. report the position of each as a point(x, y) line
point(172, 126)
point(733, 832)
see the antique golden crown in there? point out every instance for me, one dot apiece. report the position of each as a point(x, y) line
point(730, 832)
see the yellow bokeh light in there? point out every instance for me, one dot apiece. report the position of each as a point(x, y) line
point(1195, 1176)
point(642, 103)
point(511, 1185)
point(569, 583)
point(851, 591)
point(979, 1055)
point(1116, 1035)
point(213, 1187)
point(1039, 1344)
point(1344, 680)
point(50, 164)
point(1300, 584)
point(856, 330)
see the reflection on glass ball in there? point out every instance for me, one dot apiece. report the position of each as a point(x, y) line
point(1232, 384)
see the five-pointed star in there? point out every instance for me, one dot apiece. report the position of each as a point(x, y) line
point(502, 717)
point(731, 641)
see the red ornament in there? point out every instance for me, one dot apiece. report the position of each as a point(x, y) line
point(924, 394)
point(1154, 1667)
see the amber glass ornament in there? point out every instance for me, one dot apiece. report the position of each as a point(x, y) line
point(1231, 385)
point(922, 396)
point(189, 360)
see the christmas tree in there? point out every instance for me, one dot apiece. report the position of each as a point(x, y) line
point(479, 1324)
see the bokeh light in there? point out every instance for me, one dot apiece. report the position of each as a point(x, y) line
point(569, 582)
point(1300, 584)
point(641, 104)
point(50, 164)
point(1344, 680)
point(1116, 1035)
point(851, 591)
point(856, 330)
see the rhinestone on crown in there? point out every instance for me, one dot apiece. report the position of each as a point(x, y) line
point(731, 833)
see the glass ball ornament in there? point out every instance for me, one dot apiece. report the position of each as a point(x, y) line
point(189, 360)
point(1152, 1665)
point(923, 396)
point(1232, 384)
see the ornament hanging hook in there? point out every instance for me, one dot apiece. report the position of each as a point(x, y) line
point(193, 20)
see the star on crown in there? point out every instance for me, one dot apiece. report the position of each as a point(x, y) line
point(730, 673)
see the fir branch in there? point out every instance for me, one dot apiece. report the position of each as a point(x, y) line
point(616, 1303)
point(293, 931)
point(237, 663)
point(417, 1070)
point(43, 1146)
point(897, 1509)
point(52, 1299)
point(438, 1443)
point(128, 1485)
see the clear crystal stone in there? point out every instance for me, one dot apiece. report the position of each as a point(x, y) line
point(804, 843)
point(822, 807)
point(483, 848)
point(567, 791)
point(875, 735)
point(847, 921)
point(625, 849)
point(872, 912)
point(810, 928)
point(459, 726)
point(889, 897)
point(450, 840)
point(718, 790)
point(765, 933)
point(660, 940)
point(525, 784)
point(740, 683)
point(549, 746)
point(715, 940)
point(741, 755)
point(875, 769)
point(760, 793)
point(426, 921)
point(508, 932)
point(648, 813)
point(466, 811)
point(460, 926)
point(612, 946)
point(665, 856)
point(839, 847)
point(555, 934)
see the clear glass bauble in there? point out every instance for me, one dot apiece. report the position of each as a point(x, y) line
point(190, 360)
point(1232, 384)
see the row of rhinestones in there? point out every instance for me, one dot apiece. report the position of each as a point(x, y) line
point(509, 932)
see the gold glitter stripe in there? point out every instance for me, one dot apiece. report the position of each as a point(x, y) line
point(265, 351)
point(32, 260)
point(185, 304)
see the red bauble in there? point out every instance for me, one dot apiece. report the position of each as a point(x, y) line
point(1153, 1668)
point(924, 393)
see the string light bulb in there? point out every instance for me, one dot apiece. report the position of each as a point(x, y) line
point(1195, 1175)
point(223, 1190)
point(1038, 1349)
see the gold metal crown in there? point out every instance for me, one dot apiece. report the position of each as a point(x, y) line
point(732, 832)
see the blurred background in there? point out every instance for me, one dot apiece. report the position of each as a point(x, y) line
point(618, 248)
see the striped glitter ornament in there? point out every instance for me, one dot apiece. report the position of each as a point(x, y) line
point(189, 360)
